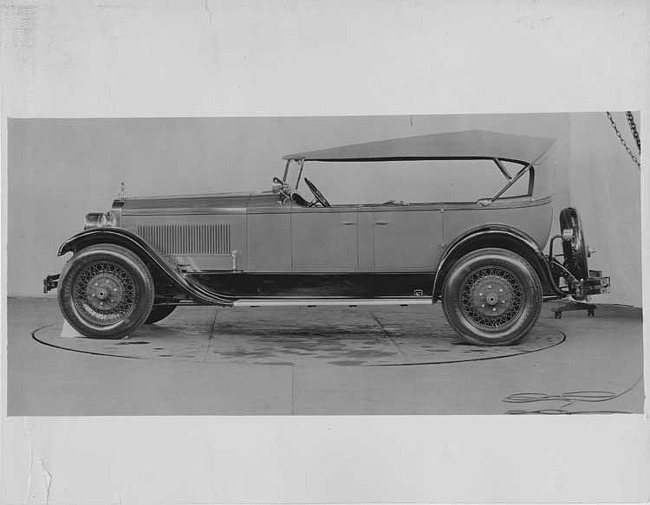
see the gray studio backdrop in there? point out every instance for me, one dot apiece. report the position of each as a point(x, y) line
point(60, 169)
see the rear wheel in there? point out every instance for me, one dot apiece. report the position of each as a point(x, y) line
point(492, 297)
point(105, 291)
point(159, 312)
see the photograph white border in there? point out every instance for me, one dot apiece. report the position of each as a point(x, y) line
point(131, 58)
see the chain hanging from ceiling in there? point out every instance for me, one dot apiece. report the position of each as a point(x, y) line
point(635, 134)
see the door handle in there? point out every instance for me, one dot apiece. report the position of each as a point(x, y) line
point(381, 223)
point(349, 223)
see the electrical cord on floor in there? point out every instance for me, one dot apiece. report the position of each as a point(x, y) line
point(570, 398)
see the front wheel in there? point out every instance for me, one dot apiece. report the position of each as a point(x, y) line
point(105, 291)
point(492, 297)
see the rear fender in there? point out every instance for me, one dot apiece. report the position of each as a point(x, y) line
point(161, 269)
point(503, 237)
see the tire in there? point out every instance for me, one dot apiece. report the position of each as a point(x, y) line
point(492, 297)
point(159, 312)
point(574, 249)
point(105, 291)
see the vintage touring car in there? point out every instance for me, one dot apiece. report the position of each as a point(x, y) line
point(483, 259)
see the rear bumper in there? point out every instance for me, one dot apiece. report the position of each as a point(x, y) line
point(596, 284)
point(50, 282)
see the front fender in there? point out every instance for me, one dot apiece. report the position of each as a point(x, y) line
point(496, 236)
point(117, 236)
point(158, 265)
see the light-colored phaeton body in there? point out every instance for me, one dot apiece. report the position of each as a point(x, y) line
point(276, 248)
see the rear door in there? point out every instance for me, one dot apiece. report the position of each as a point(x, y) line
point(405, 238)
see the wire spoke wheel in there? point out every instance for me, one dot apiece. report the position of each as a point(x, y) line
point(492, 297)
point(105, 291)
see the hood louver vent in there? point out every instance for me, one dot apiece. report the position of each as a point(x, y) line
point(187, 239)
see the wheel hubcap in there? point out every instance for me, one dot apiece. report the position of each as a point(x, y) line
point(492, 298)
point(104, 292)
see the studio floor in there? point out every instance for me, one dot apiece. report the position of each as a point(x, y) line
point(321, 361)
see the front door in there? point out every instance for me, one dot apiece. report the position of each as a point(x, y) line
point(324, 239)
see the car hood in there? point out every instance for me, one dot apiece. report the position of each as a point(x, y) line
point(214, 202)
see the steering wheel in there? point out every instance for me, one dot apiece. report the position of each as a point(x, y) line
point(276, 180)
point(319, 196)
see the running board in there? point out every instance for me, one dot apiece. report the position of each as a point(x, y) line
point(331, 302)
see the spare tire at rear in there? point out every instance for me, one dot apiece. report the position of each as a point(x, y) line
point(573, 244)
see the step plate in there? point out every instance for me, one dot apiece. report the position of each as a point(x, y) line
point(331, 302)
